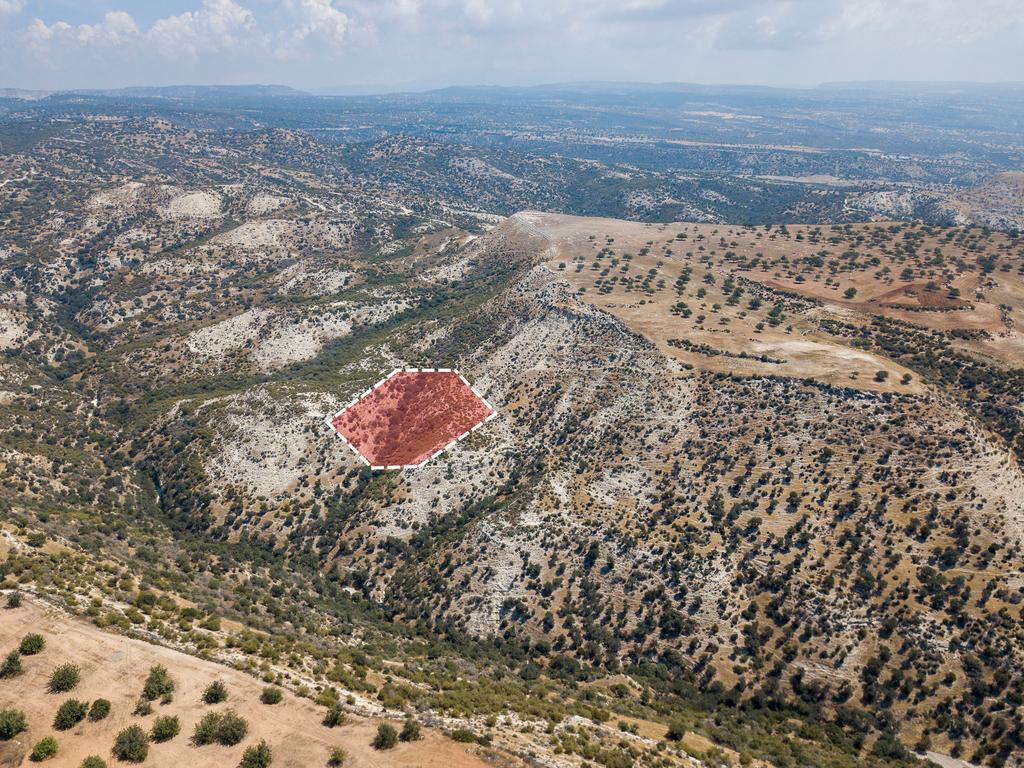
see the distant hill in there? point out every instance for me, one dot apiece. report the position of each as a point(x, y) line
point(218, 92)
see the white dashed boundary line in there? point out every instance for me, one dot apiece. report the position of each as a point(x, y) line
point(384, 468)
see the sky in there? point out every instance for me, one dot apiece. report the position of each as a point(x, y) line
point(387, 45)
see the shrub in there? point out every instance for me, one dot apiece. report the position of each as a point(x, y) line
point(165, 728)
point(158, 685)
point(69, 714)
point(14, 600)
point(99, 709)
point(11, 665)
point(335, 716)
point(31, 644)
point(215, 693)
point(386, 737)
point(676, 730)
point(257, 756)
point(131, 745)
point(64, 678)
point(224, 728)
point(92, 761)
point(12, 722)
point(206, 729)
point(142, 708)
point(271, 695)
point(410, 731)
point(232, 729)
point(463, 735)
point(44, 749)
point(337, 758)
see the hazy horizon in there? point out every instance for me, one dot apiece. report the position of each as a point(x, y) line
point(366, 46)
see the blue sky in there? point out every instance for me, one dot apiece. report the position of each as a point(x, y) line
point(397, 44)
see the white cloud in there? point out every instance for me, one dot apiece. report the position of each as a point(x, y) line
point(220, 25)
point(308, 41)
point(315, 21)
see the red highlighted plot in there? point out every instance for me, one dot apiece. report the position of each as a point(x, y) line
point(410, 417)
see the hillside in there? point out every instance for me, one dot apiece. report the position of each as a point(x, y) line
point(753, 495)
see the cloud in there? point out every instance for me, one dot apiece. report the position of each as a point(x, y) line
point(308, 41)
point(220, 25)
point(315, 21)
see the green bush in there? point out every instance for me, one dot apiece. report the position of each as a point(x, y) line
point(64, 678)
point(257, 756)
point(232, 729)
point(224, 728)
point(14, 600)
point(410, 731)
point(215, 693)
point(31, 644)
point(386, 737)
point(158, 685)
point(12, 722)
point(143, 708)
point(335, 716)
point(463, 735)
point(337, 758)
point(44, 749)
point(676, 730)
point(206, 729)
point(99, 710)
point(131, 745)
point(69, 714)
point(11, 665)
point(93, 761)
point(271, 695)
point(165, 728)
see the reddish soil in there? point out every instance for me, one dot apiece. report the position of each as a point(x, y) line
point(410, 417)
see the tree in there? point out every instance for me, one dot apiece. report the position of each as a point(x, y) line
point(165, 728)
point(99, 710)
point(158, 685)
point(335, 716)
point(410, 731)
point(225, 728)
point(69, 714)
point(215, 693)
point(64, 678)
point(31, 644)
point(271, 695)
point(232, 729)
point(11, 665)
point(44, 749)
point(131, 745)
point(12, 722)
point(386, 737)
point(257, 756)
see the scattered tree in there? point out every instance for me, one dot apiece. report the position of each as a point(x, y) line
point(215, 693)
point(64, 678)
point(69, 714)
point(44, 749)
point(386, 737)
point(131, 745)
point(12, 722)
point(165, 728)
point(257, 756)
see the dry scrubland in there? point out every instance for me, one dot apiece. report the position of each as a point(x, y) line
point(754, 491)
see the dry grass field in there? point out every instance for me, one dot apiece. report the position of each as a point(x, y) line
point(114, 667)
